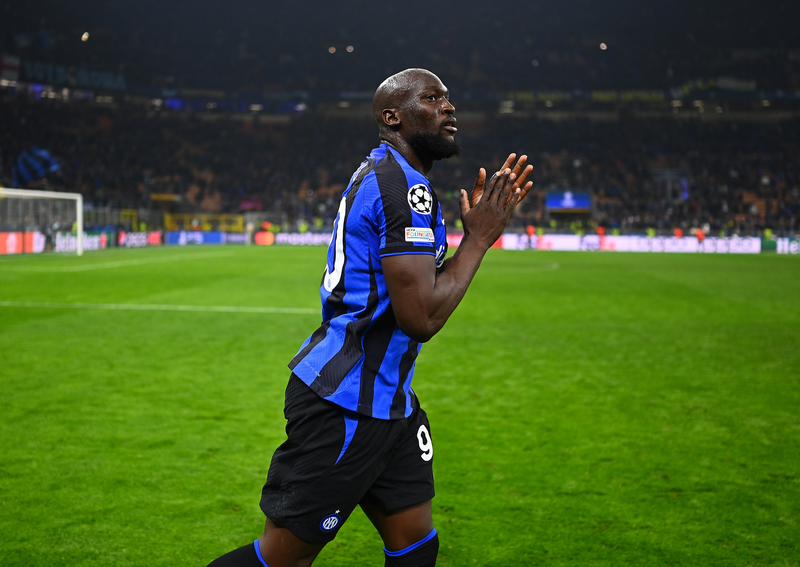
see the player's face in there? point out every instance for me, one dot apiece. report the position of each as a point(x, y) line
point(430, 120)
point(431, 110)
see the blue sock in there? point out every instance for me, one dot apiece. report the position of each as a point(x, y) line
point(258, 553)
point(420, 554)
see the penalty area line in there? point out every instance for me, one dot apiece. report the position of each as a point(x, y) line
point(145, 307)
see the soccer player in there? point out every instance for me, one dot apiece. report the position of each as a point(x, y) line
point(356, 433)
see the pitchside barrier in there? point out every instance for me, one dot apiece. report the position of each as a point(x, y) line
point(572, 242)
point(18, 242)
point(68, 242)
point(688, 244)
point(788, 246)
point(21, 242)
point(138, 239)
point(189, 237)
point(36, 242)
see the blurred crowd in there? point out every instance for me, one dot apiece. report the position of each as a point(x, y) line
point(662, 173)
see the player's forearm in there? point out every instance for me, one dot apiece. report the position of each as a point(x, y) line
point(423, 300)
point(450, 287)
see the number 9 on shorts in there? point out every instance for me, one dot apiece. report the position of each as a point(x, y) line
point(425, 443)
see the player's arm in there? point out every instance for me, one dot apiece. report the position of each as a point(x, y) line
point(422, 300)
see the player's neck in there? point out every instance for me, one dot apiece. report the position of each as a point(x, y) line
point(402, 147)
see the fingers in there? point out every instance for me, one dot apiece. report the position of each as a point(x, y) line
point(464, 202)
point(526, 189)
point(507, 187)
point(499, 187)
point(523, 192)
point(520, 170)
point(511, 180)
point(508, 163)
point(477, 190)
point(523, 176)
point(523, 159)
point(491, 184)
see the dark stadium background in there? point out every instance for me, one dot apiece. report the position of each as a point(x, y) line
point(244, 106)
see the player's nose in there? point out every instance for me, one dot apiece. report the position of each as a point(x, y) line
point(448, 107)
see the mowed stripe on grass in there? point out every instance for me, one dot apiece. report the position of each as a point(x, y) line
point(621, 409)
point(146, 307)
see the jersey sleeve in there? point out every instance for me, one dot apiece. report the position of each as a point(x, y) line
point(404, 214)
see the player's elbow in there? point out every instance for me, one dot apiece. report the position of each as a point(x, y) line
point(421, 337)
point(420, 329)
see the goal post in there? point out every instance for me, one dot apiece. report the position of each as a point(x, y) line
point(19, 216)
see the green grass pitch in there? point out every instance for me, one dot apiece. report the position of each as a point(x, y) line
point(586, 408)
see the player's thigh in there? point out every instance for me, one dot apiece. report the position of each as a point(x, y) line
point(401, 528)
point(399, 501)
point(330, 460)
point(281, 548)
point(305, 491)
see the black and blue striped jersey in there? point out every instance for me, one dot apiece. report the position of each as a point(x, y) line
point(359, 358)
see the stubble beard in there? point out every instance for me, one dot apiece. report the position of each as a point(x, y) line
point(434, 146)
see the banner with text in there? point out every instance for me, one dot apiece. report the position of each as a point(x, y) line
point(667, 244)
point(67, 242)
point(569, 242)
point(187, 237)
point(21, 242)
point(138, 239)
point(788, 246)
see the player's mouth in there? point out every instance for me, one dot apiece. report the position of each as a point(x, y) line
point(450, 127)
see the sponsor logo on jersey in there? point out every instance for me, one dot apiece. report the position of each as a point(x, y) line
point(414, 234)
point(420, 199)
point(329, 523)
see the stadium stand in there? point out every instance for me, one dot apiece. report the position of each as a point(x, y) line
point(227, 118)
point(739, 176)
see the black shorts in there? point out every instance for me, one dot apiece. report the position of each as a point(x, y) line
point(335, 459)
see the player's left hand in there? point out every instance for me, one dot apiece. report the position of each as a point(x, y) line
point(520, 171)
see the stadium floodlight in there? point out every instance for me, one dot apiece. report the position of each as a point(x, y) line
point(35, 195)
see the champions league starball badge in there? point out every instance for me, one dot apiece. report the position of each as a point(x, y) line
point(420, 199)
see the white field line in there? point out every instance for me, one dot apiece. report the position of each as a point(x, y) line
point(120, 263)
point(535, 268)
point(143, 307)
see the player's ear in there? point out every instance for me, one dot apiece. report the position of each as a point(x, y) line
point(391, 117)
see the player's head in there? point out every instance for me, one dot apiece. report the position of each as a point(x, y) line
point(414, 105)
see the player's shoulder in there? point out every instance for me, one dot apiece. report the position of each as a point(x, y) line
point(393, 185)
point(393, 171)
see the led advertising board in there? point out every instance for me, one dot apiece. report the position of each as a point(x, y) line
point(568, 201)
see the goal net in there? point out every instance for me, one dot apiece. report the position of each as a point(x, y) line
point(34, 221)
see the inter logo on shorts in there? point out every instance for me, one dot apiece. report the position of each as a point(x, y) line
point(329, 523)
point(420, 199)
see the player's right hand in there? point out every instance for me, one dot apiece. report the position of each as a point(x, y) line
point(487, 219)
point(520, 171)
